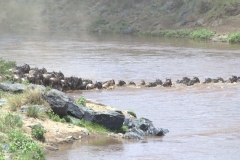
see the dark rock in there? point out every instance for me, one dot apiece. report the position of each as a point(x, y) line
point(38, 124)
point(157, 131)
point(110, 119)
point(133, 135)
point(144, 126)
point(128, 122)
point(76, 110)
point(13, 87)
point(58, 101)
point(138, 131)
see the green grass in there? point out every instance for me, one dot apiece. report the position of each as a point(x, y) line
point(23, 147)
point(201, 34)
point(234, 38)
point(28, 97)
point(5, 66)
point(55, 117)
point(15, 101)
point(35, 112)
point(81, 101)
point(93, 127)
point(182, 33)
point(9, 122)
point(131, 112)
point(123, 129)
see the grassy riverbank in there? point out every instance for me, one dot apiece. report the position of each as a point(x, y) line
point(28, 127)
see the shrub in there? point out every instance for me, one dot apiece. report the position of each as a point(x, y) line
point(201, 34)
point(9, 122)
point(234, 38)
point(81, 101)
point(22, 147)
point(38, 133)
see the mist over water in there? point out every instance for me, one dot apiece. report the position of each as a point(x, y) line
point(202, 119)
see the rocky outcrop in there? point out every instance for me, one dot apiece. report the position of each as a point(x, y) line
point(142, 127)
point(112, 120)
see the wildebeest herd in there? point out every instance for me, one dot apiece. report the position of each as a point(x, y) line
point(57, 80)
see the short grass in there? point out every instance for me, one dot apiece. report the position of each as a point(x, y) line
point(93, 127)
point(36, 112)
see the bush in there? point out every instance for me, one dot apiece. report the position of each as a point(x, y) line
point(201, 34)
point(234, 38)
point(38, 133)
point(22, 147)
point(9, 122)
point(81, 101)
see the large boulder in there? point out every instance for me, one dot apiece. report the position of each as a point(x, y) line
point(76, 110)
point(13, 87)
point(142, 127)
point(112, 120)
point(58, 101)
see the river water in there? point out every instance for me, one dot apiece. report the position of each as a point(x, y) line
point(203, 120)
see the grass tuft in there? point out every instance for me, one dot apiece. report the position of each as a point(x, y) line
point(36, 112)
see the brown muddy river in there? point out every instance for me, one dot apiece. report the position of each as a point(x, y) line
point(203, 120)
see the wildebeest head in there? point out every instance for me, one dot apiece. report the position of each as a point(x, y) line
point(121, 83)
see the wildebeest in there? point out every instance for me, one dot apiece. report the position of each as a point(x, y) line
point(167, 83)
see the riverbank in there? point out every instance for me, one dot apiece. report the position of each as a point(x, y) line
point(125, 17)
point(42, 117)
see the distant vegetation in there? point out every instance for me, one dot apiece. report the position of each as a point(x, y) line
point(234, 38)
point(195, 34)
